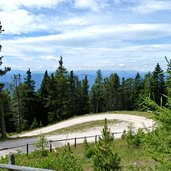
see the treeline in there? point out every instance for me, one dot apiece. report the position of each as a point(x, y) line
point(62, 95)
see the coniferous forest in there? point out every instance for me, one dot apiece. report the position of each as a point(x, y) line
point(62, 95)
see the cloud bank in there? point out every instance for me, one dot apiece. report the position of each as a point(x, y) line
point(91, 34)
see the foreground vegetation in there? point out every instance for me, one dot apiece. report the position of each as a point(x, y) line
point(86, 156)
point(130, 157)
point(149, 150)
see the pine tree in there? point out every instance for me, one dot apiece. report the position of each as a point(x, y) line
point(122, 95)
point(97, 94)
point(128, 86)
point(147, 84)
point(168, 81)
point(16, 102)
point(112, 86)
point(78, 94)
point(158, 88)
point(61, 77)
point(85, 105)
point(58, 98)
point(43, 94)
point(137, 88)
point(52, 101)
point(2, 72)
point(72, 95)
point(29, 100)
point(105, 159)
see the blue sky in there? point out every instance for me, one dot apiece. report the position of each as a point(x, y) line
point(89, 34)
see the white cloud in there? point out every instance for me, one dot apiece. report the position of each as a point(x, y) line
point(84, 31)
point(51, 58)
point(76, 21)
point(148, 6)
point(20, 21)
point(16, 4)
point(93, 5)
point(101, 35)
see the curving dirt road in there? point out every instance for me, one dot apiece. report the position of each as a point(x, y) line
point(23, 139)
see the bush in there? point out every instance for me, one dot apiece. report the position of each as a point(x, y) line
point(42, 144)
point(65, 161)
point(89, 150)
point(133, 138)
point(105, 159)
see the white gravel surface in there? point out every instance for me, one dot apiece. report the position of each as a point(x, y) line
point(137, 121)
point(126, 120)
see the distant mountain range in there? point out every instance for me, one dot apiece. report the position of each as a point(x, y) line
point(91, 74)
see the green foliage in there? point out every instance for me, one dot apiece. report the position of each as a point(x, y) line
point(42, 98)
point(85, 106)
point(158, 88)
point(107, 162)
point(134, 157)
point(158, 145)
point(133, 138)
point(62, 95)
point(158, 142)
point(89, 150)
point(34, 124)
point(105, 159)
point(42, 144)
point(2, 117)
point(65, 161)
point(97, 94)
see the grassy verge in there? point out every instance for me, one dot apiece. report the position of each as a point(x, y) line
point(136, 113)
point(129, 157)
point(65, 130)
point(84, 126)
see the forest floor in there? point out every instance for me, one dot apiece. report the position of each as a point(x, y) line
point(125, 120)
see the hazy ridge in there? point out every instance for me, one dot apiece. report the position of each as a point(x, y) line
point(91, 74)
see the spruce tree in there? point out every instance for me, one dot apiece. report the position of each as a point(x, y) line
point(112, 86)
point(129, 89)
point(72, 95)
point(137, 89)
point(61, 78)
point(105, 159)
point(29, 100)
point(43, 94)
point(16, 102)
point(2, 72)
point(52, 101)
point(147, 84)
point(158, 88)
point(85, 105)
point(58, 98)
point(97, 94)
point(168, 80)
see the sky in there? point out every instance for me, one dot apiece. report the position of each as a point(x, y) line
point(88, 34)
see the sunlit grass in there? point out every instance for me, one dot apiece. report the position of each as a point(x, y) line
point(130, 156)
point(84, 126)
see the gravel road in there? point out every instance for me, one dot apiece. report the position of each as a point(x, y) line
point(23, 139)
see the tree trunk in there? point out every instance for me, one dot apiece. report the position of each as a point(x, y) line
point(2, 122)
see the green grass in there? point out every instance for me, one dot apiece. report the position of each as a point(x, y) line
point(129, 157)
point(137, 113)
point(87, 125)
point(84, 126)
